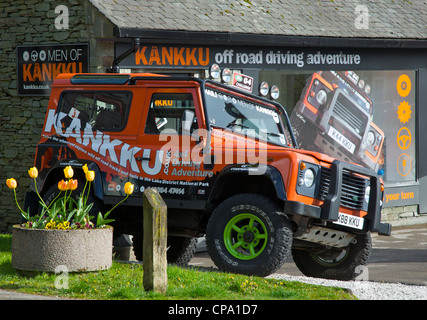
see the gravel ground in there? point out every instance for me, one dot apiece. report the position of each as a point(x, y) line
point(366, 290)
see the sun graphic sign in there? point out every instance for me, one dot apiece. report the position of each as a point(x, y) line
point(403, 85)
point(404, 112)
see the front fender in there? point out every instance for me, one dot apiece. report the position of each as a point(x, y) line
point(271, 173)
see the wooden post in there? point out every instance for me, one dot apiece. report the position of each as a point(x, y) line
point(154, 241)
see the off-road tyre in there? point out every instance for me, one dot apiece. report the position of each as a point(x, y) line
point(248, 234)
point(180, 250)
point(335, 263)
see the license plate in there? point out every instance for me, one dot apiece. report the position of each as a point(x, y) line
point(349, 221)
point(338, 137)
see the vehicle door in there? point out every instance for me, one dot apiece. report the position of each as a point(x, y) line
point(169, 146)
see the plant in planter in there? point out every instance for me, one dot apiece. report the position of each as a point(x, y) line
point(63, 233)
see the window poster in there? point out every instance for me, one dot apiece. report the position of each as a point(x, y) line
point(365, 117)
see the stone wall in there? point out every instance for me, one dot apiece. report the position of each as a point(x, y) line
point(21, 117)
point(400, 213)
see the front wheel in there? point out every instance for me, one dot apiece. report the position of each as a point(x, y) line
point(248, 234)
point(335, 263)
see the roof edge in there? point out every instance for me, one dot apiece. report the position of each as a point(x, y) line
point(229, 38)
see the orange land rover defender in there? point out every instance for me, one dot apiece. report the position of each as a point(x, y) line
point(336, 108)
point(225, 162)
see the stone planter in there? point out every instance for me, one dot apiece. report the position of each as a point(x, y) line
point(77, 250)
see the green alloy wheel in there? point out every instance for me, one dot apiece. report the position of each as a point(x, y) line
point(245, 236)
point(248, 234)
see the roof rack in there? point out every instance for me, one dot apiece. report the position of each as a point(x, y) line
point(106, 79)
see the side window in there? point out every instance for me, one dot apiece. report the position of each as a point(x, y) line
point(169, 111)
point(104, 111)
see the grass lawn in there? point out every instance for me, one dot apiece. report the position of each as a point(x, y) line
point(124, 282)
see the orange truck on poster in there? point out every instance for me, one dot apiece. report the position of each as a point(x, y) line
point(336, 108)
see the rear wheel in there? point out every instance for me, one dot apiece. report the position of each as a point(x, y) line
point(335, 263)
point(53, 191)
point(180, 250)
point(248, 234)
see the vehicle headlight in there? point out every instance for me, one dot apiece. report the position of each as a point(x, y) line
point(367, 193)
point(367, 89)
point(226, 75)
point(274, 92)
point(321, 96)
point(263, 88)
point(214, 71)
point(371, 138)
point(308, 178)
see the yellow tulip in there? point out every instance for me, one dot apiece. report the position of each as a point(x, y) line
point(63, 185)
point(11, 183)
point(68, 172)
point(129, 187)
point(85, 169)
point(33, 172)
point(72, 184)
point(90, 175)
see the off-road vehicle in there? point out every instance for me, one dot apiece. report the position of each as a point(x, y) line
point(336, 108)
point(226, 164)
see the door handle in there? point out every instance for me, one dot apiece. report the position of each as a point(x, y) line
point(146, 155)
point(143, 158)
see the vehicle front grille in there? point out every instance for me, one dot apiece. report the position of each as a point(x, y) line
point(349, 114)
point(352, 192)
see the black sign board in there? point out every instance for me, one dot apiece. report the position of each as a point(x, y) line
point(160, 56)
point(38, 65)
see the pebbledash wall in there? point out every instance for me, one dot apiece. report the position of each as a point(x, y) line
point(32, 22)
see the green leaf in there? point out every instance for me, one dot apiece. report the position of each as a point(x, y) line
point(26, 215)
point(101, 221)
point(106, 221)
point(70, 215)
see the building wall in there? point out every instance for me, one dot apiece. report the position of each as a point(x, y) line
point(21, 117)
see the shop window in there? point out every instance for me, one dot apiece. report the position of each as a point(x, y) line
point(104, 111)
point(362, 116)
point(168, 111)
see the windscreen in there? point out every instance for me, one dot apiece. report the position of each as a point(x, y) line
point(232, 112)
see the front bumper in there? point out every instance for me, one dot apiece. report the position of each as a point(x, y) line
point(330, 209)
